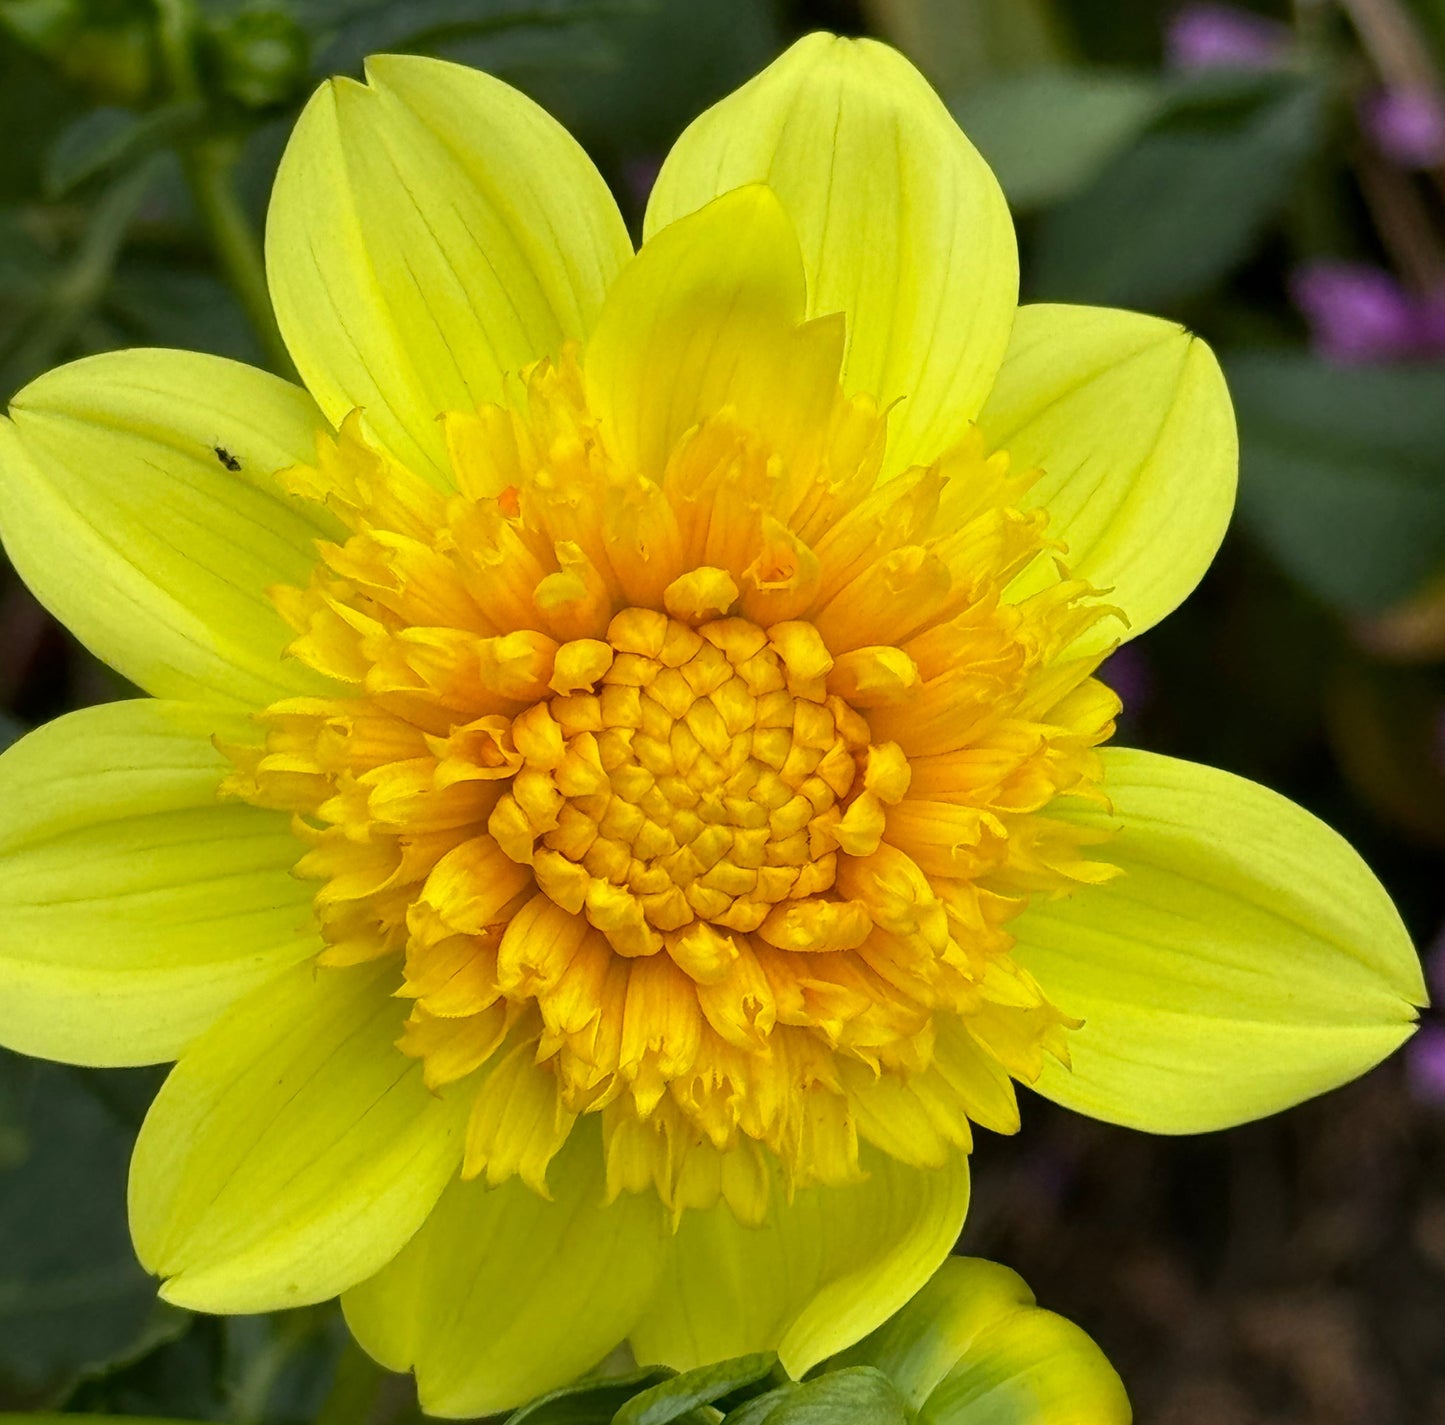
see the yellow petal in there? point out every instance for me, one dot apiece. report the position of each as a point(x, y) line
point(1245, 960)
point(903, 228)
point(293, 1150)
point(427, 234)
point(702, 302)
point(1129, 418)
point(503, 1295)
point(819, 1274)
point(137, 907)
point(973, 1346)
point(119, 508)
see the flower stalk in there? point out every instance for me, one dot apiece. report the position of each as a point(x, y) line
point(209, 164)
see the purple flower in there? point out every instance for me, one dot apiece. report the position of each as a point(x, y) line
point(1360, 314)
point(1425, 1065)
point(1207, 36)
point(1425, 1055)
point(1407, 125)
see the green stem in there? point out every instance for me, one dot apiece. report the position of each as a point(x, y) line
point(210, 169)
point(1393, 41)
point(354, 1389)
point(176, 29)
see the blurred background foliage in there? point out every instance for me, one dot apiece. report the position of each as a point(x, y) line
point(1271, 175)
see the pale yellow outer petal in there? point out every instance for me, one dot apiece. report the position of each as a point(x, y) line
point(137, 906)
point(1246, 959)
point(902, 225)
point(428, 233)
point(119, 514)
point(293, 1150)
point(1130, 420)
point(825, 1269)
point(503, 1295)
point(689, 317)
point(972, 1348)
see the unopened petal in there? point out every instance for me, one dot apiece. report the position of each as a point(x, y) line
point(974, 1346)
point(700, 305)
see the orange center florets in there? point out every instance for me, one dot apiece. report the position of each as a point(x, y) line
point(703, 790)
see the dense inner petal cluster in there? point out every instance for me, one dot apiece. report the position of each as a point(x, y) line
point(700, 801)
point(699, 793)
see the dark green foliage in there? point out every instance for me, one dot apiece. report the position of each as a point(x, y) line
point(1342, 475)
point(859, 1395)
point(72, 1297)
point(677, 1399)
point(592, 1402)
point(1173, 214)
point(1047, 133)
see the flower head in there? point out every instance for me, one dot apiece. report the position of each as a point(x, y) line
point(1361, 314)
point(624, 790)
point(1220, 36)
point(1407, 124)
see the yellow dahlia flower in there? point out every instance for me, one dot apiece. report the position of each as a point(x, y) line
point(622, 791)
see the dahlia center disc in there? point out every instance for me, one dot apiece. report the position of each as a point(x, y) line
point(694, 789)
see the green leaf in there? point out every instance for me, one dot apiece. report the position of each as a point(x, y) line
point(1340, 473)
point(959, 42)
point(23, 263)
point(179, 1378)
point(158, 304)
point(672, 1400)
point(1048, 133)
point(72, 1295)
point(349, 30)
point(259, 55)
point(625, 76)
point(592, 1402)
point(14, 1116)
point(62, 316)
point(630, 82)
point(759, 1409)
point(281, 1366)
point(859, 1395)
point(33, 102)
point(105, 48)
point(6, 1419)
point(106, 139)
point(1182, 207)
point(42, 24)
